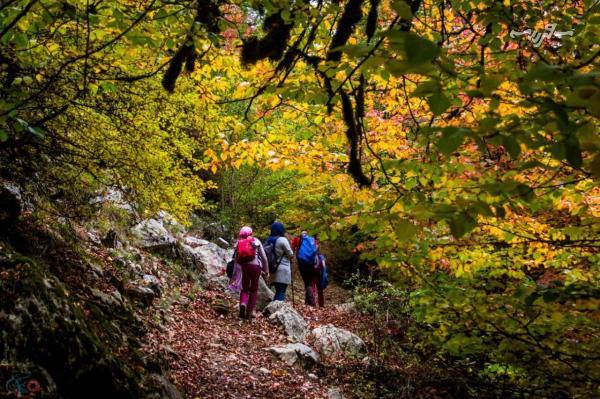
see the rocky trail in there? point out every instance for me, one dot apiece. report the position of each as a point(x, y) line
point(214, 354)
point(288, 351)
point(145, 311)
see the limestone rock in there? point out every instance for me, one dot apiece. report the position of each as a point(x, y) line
point(332, 341)
point(296, 354)
point(116, 198)
point(96, 270)
point(274, 307)
point(194, 241)
point(153, 283)
point(11, 205)
point(206, 256)
point(265, 295)
point(109, 300)
point(284, 314)
point(139, 292)
point(151, 233)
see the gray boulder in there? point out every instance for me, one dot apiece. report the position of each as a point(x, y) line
point(333, 341)
point(110, 300)
point(265, 295)
point(151, 233)
point(170, 223)
point(17, 194)
point(206, 256)
point(274, 307)
point(114, 197)
point(11, 205)
point(295, 354)
point(95, 270)
point(283, 313)
point(143, 294)
point(194, 241)
point(153, 283)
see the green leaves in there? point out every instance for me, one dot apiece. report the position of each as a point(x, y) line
point(404, 230)
point(461, 224)
point(568, 149)
point(573, 151)
point(538, 74)
point(489, 83)
point(403, 9)
point(427, 88)
point(21, 40)
point(439, 103)
point(451, 138)
point(356, 50)
point(417, 52)
point(432, 90)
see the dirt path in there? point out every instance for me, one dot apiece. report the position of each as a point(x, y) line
point(213, 354)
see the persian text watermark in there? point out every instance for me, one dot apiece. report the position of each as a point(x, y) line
point(538, 37)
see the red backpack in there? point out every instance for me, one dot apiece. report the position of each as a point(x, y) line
point(245, 250)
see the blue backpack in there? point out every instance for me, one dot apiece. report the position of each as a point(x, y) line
point(307, 251)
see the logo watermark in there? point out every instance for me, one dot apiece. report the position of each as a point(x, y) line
point(24, 382)
point(537, 37)
point(23, 386)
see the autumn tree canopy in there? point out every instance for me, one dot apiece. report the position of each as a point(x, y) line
point(453, 144)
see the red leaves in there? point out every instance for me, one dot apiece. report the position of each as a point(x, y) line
point(220, 356)
point(213, 354)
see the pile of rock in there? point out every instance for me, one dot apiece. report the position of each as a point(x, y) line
point(329, 341)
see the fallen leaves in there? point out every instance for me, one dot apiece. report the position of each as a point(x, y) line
point(213, 354)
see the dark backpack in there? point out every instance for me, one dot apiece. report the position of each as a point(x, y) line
point(324, 273)
point(272, 256)
point(230, 266)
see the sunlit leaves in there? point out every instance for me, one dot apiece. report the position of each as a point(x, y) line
point(483, 149)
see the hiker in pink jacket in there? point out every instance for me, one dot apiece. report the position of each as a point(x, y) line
point(251, 256)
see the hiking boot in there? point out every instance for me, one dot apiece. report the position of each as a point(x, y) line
point(242, 311)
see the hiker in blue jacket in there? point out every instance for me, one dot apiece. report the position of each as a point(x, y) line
point(282, 277)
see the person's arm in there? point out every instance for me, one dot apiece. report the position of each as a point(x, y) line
point(263, 258)
point(287, 249)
